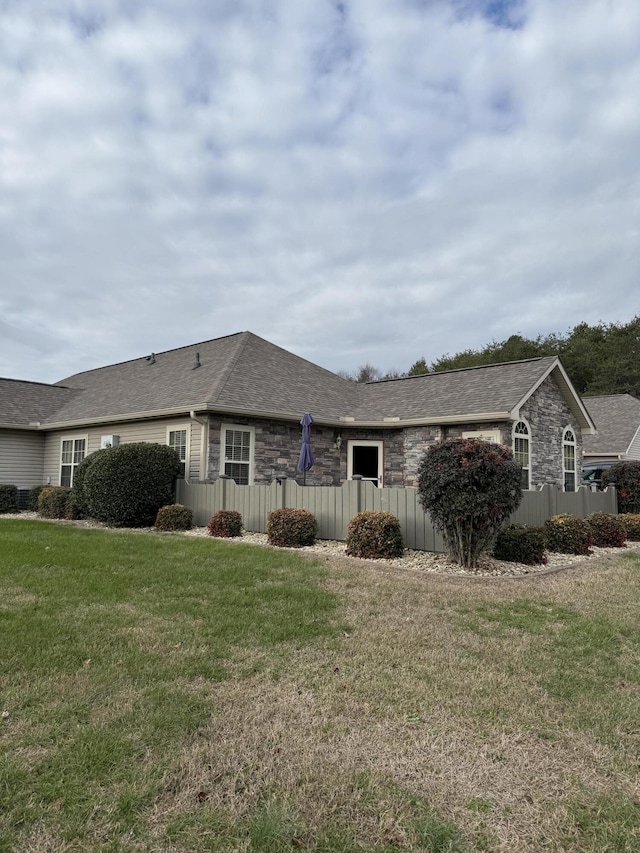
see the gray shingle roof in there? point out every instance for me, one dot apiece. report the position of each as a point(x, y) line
point(473, 390)
point(239, 372)
point(617, 418)
point(23, 403)
point(246, 374)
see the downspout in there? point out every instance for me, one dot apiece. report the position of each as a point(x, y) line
point(204, 444)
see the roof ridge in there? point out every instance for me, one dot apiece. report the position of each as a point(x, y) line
point(224, 376)
point(462, 369)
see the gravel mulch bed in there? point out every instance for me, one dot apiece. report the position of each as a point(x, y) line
point(419, 561)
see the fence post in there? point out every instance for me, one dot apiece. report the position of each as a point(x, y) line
point(224, 478)
point(282, 481)
point(358, 481)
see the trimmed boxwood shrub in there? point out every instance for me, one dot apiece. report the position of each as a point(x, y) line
point(55, 502)
point(226, 523)
point(291, 528)
point(469, 488)
point(8, 498)
point(631, 523)
point(126, 485)
point(80, 499)
point(174, 517)
point(519, 544)
point(607, 530)
point(34, 494)
point(625, 476)
point(374, 535)
point(568, 534)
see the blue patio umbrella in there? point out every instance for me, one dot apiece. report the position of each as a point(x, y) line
point(305, 460)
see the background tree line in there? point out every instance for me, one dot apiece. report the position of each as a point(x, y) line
point(601, 359)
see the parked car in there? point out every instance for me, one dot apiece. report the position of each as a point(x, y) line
point(592, 472)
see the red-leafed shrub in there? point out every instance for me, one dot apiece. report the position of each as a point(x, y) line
point(469, 488)
point(174, 517)
point(631, 523)
point(374, 535)
point(226, 523)
point(567, 534)
point(606, 529)
point(625, 476)
point(291, 528)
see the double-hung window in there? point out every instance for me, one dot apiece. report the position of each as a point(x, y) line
point(73, 451)
point(569, 460)
point(522, 452)
point(236, 453)
point(177, 438)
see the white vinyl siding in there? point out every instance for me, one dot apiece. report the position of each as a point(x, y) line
point(633, 451)
point(152, 431)
point(21, 458)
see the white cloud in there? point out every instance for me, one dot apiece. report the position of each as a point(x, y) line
point(358, 181)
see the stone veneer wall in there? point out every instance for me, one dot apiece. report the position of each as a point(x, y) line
point(548, 415)
point(278, 445)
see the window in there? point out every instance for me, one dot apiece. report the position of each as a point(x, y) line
point(72, 453)
point(569, 460)
point(177, 438)
point(522, 452)
point(490, 435)
point(236, 453)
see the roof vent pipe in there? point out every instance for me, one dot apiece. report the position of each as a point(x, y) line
point(151, 358)
point(197, 362)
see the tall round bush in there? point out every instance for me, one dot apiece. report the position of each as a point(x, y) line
point(126, 485)
point(625, 476)
point(469, 488)
point(79, 496)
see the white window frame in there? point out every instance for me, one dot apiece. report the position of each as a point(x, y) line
point(74, 437)
point(490, 435)
point(223, 445)
point(566, 443)
point(354, 442)
point(521, 436)
point(186, 429)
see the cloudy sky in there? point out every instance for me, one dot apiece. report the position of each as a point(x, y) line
point(356, 181)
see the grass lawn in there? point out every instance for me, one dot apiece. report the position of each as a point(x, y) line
point(166, 693)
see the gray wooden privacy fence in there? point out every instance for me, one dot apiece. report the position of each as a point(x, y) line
point(335, 506)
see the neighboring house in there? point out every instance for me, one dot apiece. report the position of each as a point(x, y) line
point(233, 406)
point(617, 418)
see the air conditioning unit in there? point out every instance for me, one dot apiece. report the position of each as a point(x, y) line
point(109, 441)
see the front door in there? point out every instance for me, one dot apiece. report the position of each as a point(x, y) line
point(365, 459)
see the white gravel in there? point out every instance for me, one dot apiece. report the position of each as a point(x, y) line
point(419, 561)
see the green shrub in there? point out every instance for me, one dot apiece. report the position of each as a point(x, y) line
point(374, 535)
point(567, 534)
point(469, 488)
point(34, 494)
point(518, 544)
point(291, 528)
point(126, 485)
point(8, 498)
point(631, 523)
point(80, 499)
point(625, 476)
point(55, 502)
point(174, 517)
point(226, 523)
point(607, 531)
